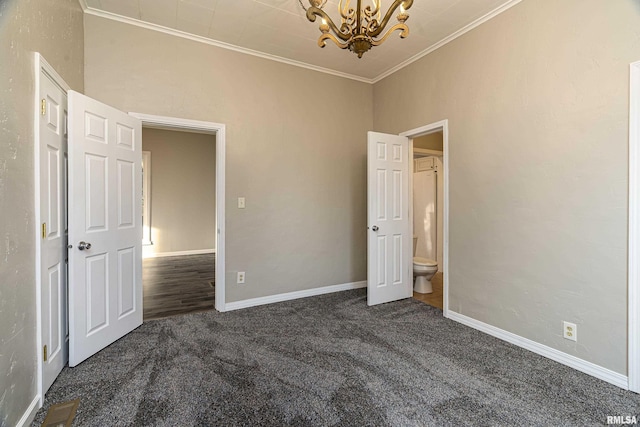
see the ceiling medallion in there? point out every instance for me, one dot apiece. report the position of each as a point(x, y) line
point(361, 28)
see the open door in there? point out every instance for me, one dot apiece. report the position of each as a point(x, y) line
point(52, 164)
point(105, 226)
point(389, 241)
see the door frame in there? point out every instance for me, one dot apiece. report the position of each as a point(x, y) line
point(217, 129)
point(41, 65)
point(442, 125)
point(633, 295)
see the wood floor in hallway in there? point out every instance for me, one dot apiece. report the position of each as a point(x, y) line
point(178, 285)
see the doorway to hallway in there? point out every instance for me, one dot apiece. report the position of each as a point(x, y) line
point(179, 221)
point(178, 285)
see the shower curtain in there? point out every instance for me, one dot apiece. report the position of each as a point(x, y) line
point(424, 214)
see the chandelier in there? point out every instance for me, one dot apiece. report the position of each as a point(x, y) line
point(360, 28)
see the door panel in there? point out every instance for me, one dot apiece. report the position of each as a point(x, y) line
point(389, 240)
point(96, 267)
point(105, 193)
point(53, 285)
point(126, 204)
point(52, 152)
point(126, 281)
point(96, 201)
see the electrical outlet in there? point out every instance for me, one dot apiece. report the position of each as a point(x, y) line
point(570, 331)
point(240, 276)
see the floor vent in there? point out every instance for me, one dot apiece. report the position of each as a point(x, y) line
point(62, 414)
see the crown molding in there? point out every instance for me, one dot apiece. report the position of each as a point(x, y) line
point(495, 12)
point(223, 45)
point(171, 31)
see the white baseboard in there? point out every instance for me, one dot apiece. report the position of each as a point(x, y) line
point(252, 302)
point(543, 350)
point(164, 254)
point(30, 413)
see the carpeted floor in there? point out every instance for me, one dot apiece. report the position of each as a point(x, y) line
point(328, 360)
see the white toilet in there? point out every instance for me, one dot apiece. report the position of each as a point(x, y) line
point(423, 269)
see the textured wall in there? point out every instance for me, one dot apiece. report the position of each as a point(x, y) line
point(537, 102)
point(296, 149)
point(183, 190)
point(55, 29)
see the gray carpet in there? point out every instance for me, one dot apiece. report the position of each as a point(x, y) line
point(328, 361)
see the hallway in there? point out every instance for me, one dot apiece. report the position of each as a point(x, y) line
point(178, 285)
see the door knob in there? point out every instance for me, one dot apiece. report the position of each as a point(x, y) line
point(374, 228)
point(84, 245)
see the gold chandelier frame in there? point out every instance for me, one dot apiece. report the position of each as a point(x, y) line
point(360, 28)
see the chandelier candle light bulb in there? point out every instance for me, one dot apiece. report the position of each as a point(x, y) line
point(361, 28)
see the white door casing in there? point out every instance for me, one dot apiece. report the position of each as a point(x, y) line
point(105, 198)
point(443, 198)
point(217, 129)
point(634, 230)
point(52, 164)
point(389, 241)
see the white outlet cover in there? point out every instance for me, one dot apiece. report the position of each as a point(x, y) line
point(570, 331)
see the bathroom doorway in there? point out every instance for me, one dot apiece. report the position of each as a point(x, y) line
point(428, 191)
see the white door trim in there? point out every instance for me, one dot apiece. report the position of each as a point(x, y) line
point(40, 65)
point(414, 133)
point(173, 123)
point(146, 196)
point(633, 363)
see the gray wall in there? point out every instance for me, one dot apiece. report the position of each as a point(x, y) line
point(296, 149)
point(538, 142)
point(55, 29)
point(183, 190)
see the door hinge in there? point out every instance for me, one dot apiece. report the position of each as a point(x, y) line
point(43, 106)
point(44, 230)
point(45, 353)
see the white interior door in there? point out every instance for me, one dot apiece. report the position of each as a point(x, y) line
point(105, 226)
point(389, 242)
point(52, 158)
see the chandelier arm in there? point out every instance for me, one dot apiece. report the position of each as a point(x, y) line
point(406, 4)
point(377, 8)
point(344, 10)
point(403, 34)
point(312, 12)
point(322, 41)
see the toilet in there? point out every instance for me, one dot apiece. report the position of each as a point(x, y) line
point(424, 269)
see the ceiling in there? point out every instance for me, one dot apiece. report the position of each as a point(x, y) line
point(280, 28)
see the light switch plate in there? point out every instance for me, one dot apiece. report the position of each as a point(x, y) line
point(241, 203)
